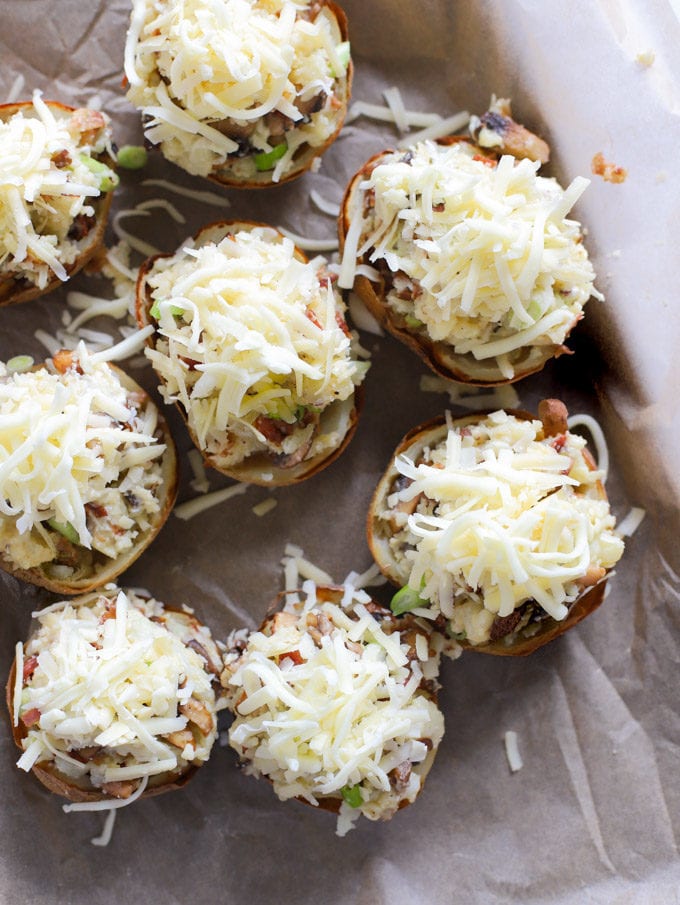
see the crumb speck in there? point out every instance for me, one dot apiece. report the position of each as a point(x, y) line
point(645, 58)
point(662, 176)
point(610, 172)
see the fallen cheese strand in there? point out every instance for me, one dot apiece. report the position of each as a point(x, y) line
point(512, 751)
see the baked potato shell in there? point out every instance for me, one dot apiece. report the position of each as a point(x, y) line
point(428, 434)
point(79, 789)
point(104, 569)
point(437, 355)
point(14, 290)
point(341, 415)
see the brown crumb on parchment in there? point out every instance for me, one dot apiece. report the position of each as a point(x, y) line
point(608, 171)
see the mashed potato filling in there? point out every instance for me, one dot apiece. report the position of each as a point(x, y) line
point(478, 254)
point(252, 342)
point(495, 516)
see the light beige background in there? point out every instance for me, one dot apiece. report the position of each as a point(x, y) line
point(594, 815)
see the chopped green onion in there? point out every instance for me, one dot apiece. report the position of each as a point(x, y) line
point(19, 363)
point(352, 795)
point(66, 529)
point(155, 310)
point(132, 157)
point(108, 180)
point(413, 321)
point(406, 600)
point(343, 54)
point(267, 159)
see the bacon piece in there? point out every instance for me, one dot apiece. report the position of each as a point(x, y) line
point(181, 738)
point(121, 789)
point(61, 159)
point(31, 717)
point(30, 665)
point(608, 171)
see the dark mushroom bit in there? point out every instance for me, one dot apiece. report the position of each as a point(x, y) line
point(499, 523)
point(335, 703)
point(114, 695)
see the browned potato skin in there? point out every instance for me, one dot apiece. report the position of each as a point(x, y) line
point(252, 469)
point(223, 175)
point(550, 629)
point(109, 569)
point(13, 291)
point(66, 786)
point(333, 594)
point(439, 356)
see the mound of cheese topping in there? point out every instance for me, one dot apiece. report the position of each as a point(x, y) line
point(500, 516)
point(250, 337)
point(49, 180)
point(480, 256)
point(207, 75)
point(328, 703)
point(110, 696)
point(79, 462)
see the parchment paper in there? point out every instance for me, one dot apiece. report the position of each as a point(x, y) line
point(593, 816)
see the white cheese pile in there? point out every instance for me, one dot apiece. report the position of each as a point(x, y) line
point(196, 64)
point(482, 254)
point(110, 694)
point(48, 178)
point(327, 704)
point(503, 516)
point(246, 330)
point(80, 450)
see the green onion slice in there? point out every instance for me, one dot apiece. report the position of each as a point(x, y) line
point(352, 795)
point(19, 363)
point(132, 157)
point(66, 529)
point(407, 599)
point(108, 180)
point(267, 159)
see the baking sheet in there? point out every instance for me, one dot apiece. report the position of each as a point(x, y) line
point(594, 815)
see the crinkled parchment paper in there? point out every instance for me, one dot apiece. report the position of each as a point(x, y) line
point(594, 815)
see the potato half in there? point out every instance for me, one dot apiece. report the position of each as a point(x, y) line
point(84, 234)
point(187, 647)
point(75, 569)
point(338, 419)
point(527, 626)
point(304, 643)
point(439, 351)
point(231, 128)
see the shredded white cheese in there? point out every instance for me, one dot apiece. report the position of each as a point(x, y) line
point(265, 507)
point(629, 525)
point(188, 510)
point(512, 751)
point(79, 450)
